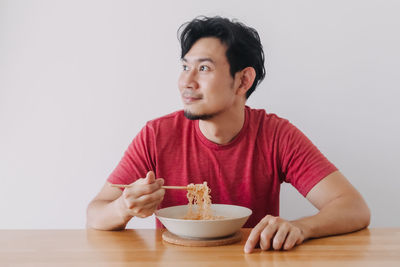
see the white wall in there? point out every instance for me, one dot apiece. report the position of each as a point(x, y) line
point(78, 79)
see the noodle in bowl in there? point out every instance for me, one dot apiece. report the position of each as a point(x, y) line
point(228, 219)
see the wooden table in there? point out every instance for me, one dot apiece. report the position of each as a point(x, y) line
point(369, 247)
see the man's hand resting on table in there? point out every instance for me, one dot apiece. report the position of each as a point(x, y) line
point(274, 233)
point(341, 210)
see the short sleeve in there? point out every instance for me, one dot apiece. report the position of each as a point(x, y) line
point(137, 160)
point(303, 165)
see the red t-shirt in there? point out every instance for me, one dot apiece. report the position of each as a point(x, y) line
point(247, 171)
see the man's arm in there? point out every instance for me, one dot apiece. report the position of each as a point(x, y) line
point(112, 209)
point(105, 211)
point(341, 210)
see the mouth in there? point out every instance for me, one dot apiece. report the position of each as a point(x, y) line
point(190, 99)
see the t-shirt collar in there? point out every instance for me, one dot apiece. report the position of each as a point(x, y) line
point(237, 139)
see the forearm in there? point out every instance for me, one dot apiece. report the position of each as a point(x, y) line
point(107, 215)
point(343, 215)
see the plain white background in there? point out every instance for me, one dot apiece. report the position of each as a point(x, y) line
point(78, 80)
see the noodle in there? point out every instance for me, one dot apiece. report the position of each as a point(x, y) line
point(199, 195)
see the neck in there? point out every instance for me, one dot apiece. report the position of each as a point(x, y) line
point(224, 127)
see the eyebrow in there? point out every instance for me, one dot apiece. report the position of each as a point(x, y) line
point(203, 59)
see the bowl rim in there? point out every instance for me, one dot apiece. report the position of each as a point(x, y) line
point(224, 219)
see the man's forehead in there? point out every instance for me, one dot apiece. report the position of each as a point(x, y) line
point(208, 49)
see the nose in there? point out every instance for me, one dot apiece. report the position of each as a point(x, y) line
point(188, 79)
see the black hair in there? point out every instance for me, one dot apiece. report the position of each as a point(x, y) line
point(243, 43)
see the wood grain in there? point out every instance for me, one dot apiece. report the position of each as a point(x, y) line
point(369, 247)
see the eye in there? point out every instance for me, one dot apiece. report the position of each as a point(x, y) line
point(204, 68)
point(185, 67)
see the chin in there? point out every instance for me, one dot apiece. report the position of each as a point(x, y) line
point(197, 116)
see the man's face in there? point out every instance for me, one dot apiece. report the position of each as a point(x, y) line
point(206, 85)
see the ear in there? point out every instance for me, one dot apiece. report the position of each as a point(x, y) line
point(245, 80)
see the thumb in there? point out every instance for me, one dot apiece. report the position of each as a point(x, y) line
point(150, 177)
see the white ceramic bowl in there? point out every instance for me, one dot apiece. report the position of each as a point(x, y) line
point(235, 218)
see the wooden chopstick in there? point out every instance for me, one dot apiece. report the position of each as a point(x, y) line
point(120, 185)
point(174, 187)
point(164, 187)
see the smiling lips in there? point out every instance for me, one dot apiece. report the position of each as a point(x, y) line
point(190, 98)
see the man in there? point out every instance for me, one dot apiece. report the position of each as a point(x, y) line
point(244, 154)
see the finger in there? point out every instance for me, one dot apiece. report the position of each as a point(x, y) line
point(255, 235)
point(140, 197)
point(300, 239)
point(292, 238)
point(280, 236)
point(162, 197)
point(153, 198)
point(150, 209)
point(138, 190)
point(142, 211)
point(160, 181)
point(267, 235)
point(150, 177)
